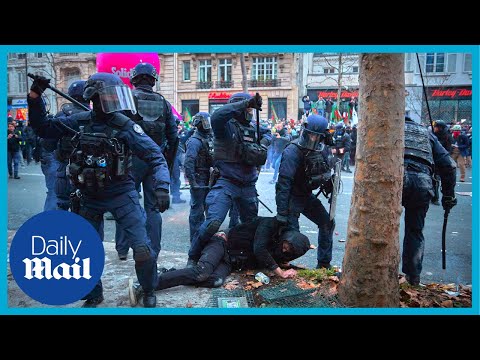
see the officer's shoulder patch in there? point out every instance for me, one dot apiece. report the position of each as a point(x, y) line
point(138, 129)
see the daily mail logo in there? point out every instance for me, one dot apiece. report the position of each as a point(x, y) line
point(57, 257)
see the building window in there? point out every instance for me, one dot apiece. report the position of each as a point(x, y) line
point(408, 62)
point(71, 76)
point(186, 71)
point(189, 109)
point(12, 55)
point(467, 63)
point(8, 82)
point(21, 56)
point(328, 70)
point(22, 86)
point(435, 63)
point(277, 109)
point(452, 63)
point(205, 71)
point(68, 54)
point(264, 68)
point(38, 55)
point(225, 69)
point(355, 69)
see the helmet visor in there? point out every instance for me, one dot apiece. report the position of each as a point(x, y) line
point(205, 121)
point(116, 98)
point(310, 139)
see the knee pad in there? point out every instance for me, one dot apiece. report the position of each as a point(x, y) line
point(142, 253)
point(212, 228)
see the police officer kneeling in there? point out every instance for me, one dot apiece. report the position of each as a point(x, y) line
point(99, 167)
point(259, 243)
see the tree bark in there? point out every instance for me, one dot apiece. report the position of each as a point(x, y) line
point(370, 264)
point(244, 73)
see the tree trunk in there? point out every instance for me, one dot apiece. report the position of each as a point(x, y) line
point(244, 73)
point(339, 82)
point(370, 264)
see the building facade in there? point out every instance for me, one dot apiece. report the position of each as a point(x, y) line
point(448, 83)
point(18, 84)
point(195, 82)
point(324, 73)
point(447, 76)
point(61, 68)
point(70, 67)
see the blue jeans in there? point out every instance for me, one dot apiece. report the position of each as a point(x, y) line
point(127, 212)
point(142, 175)
point(16, 158)
point(314, 210)
point(49, 165)
point(320, 111)
point(219, 201)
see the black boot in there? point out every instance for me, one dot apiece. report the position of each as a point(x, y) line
point(149, 299)
point(93, 302)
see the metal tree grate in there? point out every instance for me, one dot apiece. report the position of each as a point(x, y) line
point(219, 293)
point(289, 295)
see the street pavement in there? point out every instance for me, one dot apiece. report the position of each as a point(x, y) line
point(27, 195)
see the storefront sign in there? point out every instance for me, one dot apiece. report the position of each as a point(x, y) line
point(218, 95)
point(333, 94)
point(451, 93)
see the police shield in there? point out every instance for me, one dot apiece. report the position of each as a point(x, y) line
point(336, 189)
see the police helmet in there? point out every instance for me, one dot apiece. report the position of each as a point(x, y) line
point(145, 69)
point(113, 94)
point(239, 97)
point(75, 90)
point(201, 121)
point(340, 126)
point(312, 132)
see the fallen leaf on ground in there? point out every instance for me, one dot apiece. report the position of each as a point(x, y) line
point(306, 285)
point(447, 303)
point(333, 278)
point(231, 285)
point(254, 284)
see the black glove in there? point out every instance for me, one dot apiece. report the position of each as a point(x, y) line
point(40, 84)
point(163, 200)
point(255, 102)
point(448, 202)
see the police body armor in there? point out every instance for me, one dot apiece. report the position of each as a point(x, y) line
point(417, 145)
point(339, 143)
point(316, 168)
point(64, 146)
point(151, 114)
point(99, 159)
point(204, 160)
point(241, 148)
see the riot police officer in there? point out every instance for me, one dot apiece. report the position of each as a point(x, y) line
point(342, 144)
point(99, 166)
point(306, 165)
point(198, 161)
point(154, 115)
point(237, 156)
point(63, 187)
point(423, 156)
